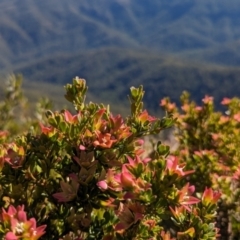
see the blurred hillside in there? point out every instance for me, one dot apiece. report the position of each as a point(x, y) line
point(111, 72)
point(168, 46)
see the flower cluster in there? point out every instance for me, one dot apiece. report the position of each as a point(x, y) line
point(17, 226)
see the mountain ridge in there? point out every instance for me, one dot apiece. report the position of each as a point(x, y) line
point(34, 29)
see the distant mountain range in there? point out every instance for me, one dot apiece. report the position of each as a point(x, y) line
point(119, 43)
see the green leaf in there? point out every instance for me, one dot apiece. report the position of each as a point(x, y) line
point(54, 175)
point(134, 93)
point(166, 122)
point(52, 121)
point(107, 216)
point(163, 150)
point(63, 126)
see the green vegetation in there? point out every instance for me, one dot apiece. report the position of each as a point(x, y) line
point(209, 144)
point(83, 176)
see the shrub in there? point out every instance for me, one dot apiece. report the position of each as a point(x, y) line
point(209, 144)
point(82, 176)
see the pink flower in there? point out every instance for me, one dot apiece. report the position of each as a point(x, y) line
point(225, 101)
point(207, 99)
point(11, 236)
point(134, 186)
point(151, 223)
point(128, 180)
point(98, 121)
point(34, 232)
point(173, 167)
point(215, 136)
point(198, 108)
point(12, 213)
point(185, 107)
point(144, 117)
point(49, 131)
point(139, 147)
point(178, 211)
point(237, 117)
point(163, 102)
point(102, 185)
point(118, 128)
point(105, 140)
point(111, 182)
point(134, 163)
point(21, 228)
point(82, 148)
point(70, 118)
point(124, 180)
point(185, 198)
point(15, 156)
point(210, 197)
point(223, 119)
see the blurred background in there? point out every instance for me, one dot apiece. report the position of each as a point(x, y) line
point(166, 45)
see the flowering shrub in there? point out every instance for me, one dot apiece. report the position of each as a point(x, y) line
point(209, 145)
point(83, 177)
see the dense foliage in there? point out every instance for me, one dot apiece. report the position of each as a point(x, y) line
point(82, 176)
point(209, 143)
